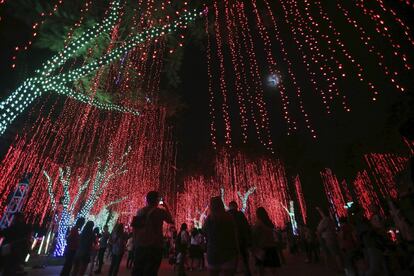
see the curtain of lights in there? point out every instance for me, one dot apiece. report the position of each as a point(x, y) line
point(384, 168)
point(369, 187)
point(299, 50)
point(300, 198)
point(334, 194)
point(60, 133)
point(234, 175)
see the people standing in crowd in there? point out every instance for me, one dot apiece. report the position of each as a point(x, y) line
point(291, 239)
point(103, 244)
point(196, 250)
point(372, 245)
point(348, 246)
point(130, 249)
point(304, 233)
point(377, 221)
point(83, 252)
point(328, 240)
point(148, 235)
point(311, 245)
point(405, 227)
point(280, 243)
point(220, 231)
point(182, 244)
point(17, 244)
point(172, 256)
point(243, 234)
point(264, 244)
point(118, 248)
point(94, 250)
point(71, 246)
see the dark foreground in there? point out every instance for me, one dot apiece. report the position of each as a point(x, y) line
point(295, 266)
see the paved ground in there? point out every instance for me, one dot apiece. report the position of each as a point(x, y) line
point(295, 266)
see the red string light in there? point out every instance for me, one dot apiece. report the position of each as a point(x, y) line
point(300, 198)
point(333, 193)
point(236, 173)
point(366, 194)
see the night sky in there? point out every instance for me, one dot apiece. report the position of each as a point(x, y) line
point(343, 138)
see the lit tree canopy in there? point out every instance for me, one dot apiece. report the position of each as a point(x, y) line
point(49, 81)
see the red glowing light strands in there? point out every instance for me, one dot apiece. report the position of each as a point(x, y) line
point(368, 41)
point(330, 62)
point(262, 123)
point(365, 193)
point(300, 198)
point(237, 175)
point(409, 3)
point(211, 93)
point(384, 168)
point(237, 64)
point(383, 29)
point(35, 26)
point(223, 86)
point(273, 66)
point(333, 193)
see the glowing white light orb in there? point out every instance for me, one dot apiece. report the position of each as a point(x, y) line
point(273, 80)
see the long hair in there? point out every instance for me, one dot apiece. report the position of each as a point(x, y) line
point(263, 216)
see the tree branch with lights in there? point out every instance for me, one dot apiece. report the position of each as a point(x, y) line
point(105, 173)
point(50, 79)
point(243, 198)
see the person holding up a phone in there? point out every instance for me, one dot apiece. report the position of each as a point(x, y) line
point(148, 235)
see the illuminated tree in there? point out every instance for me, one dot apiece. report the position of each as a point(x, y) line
point(50, 79)
point(104, 175)
point(199, 218)
point(244, 198)
point(106, 215)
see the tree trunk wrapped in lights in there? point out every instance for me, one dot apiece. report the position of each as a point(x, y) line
point(244, 198)
point(104, 175)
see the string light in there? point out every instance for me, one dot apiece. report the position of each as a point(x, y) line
point(365, 193)
point(35, 28)
point(384, 168)
point(334, 194)
point(34, 87)
point(223, 86)
point(300, 198)
point(234, 173)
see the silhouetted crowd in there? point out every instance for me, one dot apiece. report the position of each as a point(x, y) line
point(227, 243)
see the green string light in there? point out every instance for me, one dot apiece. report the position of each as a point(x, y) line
point(48, 81)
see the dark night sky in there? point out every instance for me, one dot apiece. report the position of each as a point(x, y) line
point(342, 138)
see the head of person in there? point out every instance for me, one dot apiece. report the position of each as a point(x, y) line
point(80, 222)
point(216, 206)
point(263, 217)
point(88, 227)
point(105, 228)
point(183, 227)
point(233, 205)
point(96, 231)
point(153, 198)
